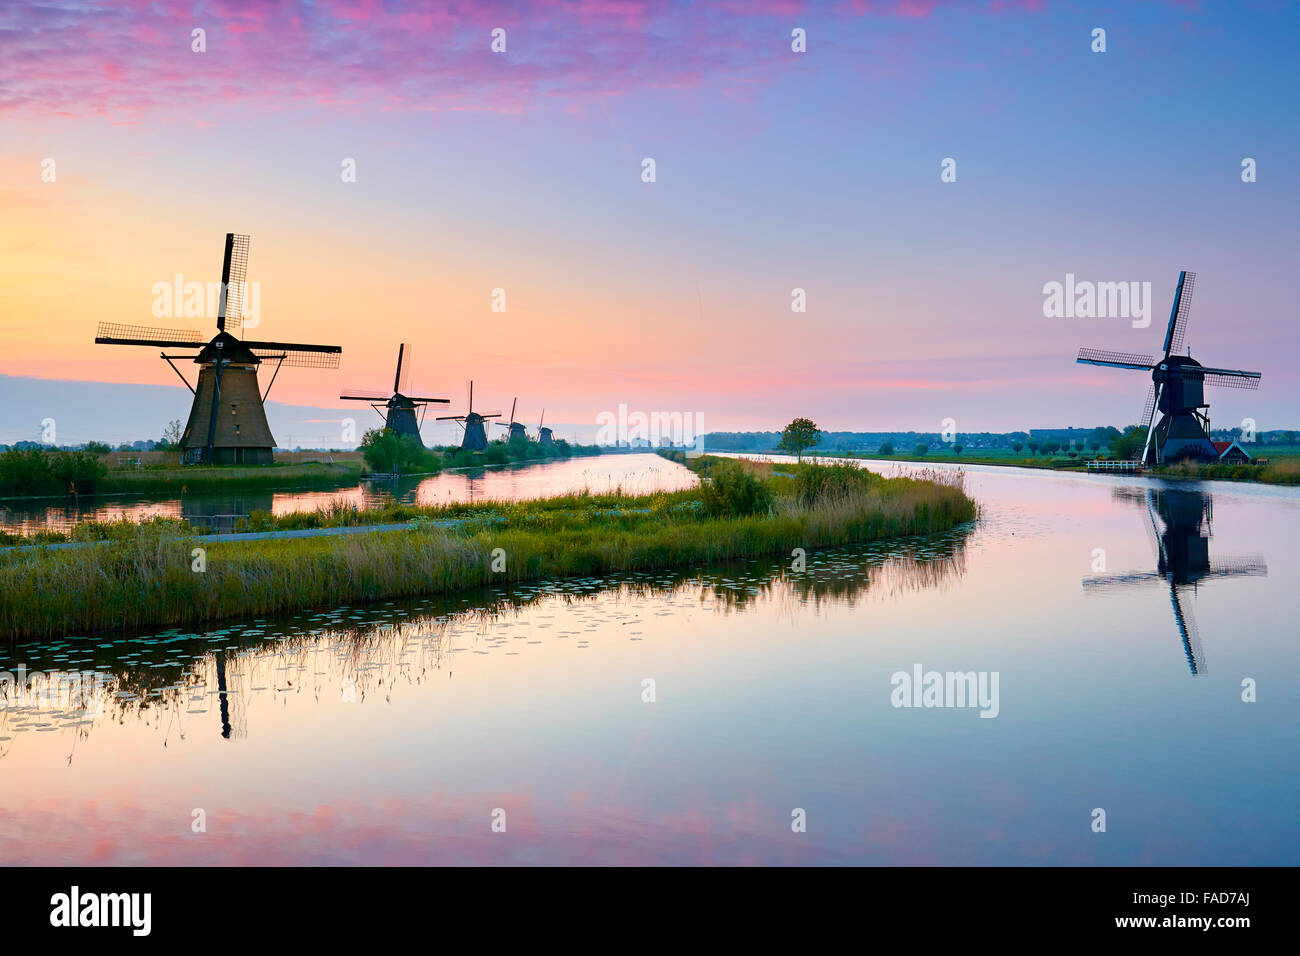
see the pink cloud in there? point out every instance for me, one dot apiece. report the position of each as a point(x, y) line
point(134, 56)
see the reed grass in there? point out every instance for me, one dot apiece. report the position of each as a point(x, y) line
point(1285, 471)
point(192, 479)
point(142, 577)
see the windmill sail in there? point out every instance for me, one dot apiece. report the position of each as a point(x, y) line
point(1178, 314)
point(115, 333)
point(234, 273)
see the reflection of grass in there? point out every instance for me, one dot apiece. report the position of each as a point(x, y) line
point(143, 577)
point(163, 677)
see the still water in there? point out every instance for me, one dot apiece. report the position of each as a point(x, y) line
point(633, 474)
point(1120, 616)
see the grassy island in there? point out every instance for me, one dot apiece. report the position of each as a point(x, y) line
point(158, 573)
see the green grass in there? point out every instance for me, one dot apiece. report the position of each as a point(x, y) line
point(1279, 471)
point(1283, 467)
point(142, 576)
point(193, 479)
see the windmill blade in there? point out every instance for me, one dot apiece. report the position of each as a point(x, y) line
point(1189, 632)
point(1114, 359)
point(513, 403)
point(1239, 566)
point(450, 418)
point(1118, 582)
point(541, 420)
point(490, 415)
point(234, 271)
point(1226, 377)
point(1248, 382)
point(1178, 314)
point(1148, 409)
point(300, 357)
point(1153, 530)
point(113, 333)
point(365, 395)
point(429, 401)
point(403, 377)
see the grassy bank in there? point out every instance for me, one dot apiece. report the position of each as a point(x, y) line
point(1283, 472)
point(42, 473)
point(193, 479)
point(144, 577)
point(33, 473)
point(1282, 469)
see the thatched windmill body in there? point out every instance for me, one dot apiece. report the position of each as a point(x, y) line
point(474, 424)
point(227, 422)
point(400, 407)
point(544, 435)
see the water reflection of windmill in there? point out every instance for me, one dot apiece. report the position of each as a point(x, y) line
point(1182, 551)
point(400, 406)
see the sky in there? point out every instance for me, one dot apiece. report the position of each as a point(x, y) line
point(126, 155)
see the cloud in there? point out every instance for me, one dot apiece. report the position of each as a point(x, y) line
point(132, 58)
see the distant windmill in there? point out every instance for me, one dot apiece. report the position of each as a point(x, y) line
point(400, 406)
point(227, 423)
point(473, 422)
point(516, 431)
point(1182, 552)
point(544, 436)
point(1177, 388)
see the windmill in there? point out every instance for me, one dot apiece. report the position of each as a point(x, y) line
point(1177, 389)
point(1182, 552)
point(516, 431)
point(400, 414)
point(544, 436)
point(227, 372)
point(473, 422)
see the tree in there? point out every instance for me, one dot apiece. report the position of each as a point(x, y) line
point(799, 434)
point(1033, 448)
point(920, 449)
point(1128, 445)
point(78, 471)
point(23, 471)
point(1016, 446)
point(389, 453)
point(956, 449)
point(1050, 447)
point(172, 433)
point(886, 448)
point(97, 448)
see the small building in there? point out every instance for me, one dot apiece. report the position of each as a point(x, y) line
point(1231, 453)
